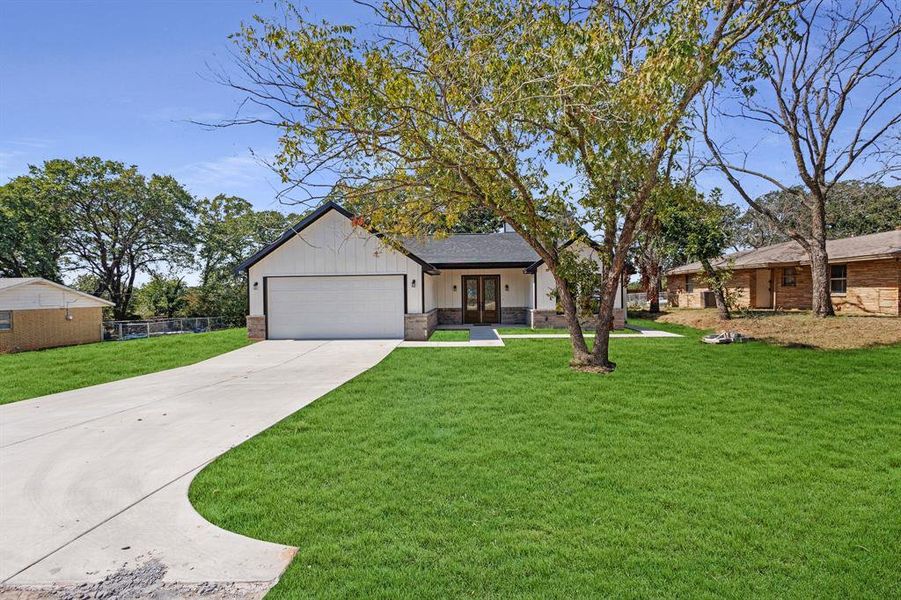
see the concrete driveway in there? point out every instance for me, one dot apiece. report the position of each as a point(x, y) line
point(93, 482)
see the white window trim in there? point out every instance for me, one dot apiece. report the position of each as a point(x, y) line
point(831, 279)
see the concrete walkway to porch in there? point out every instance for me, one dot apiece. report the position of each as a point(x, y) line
point(479, 336)
point(487, 335)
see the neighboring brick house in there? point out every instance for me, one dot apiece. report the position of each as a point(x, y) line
point(36, 313)
point(865, 277)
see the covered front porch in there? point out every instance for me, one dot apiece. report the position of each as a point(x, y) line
point(501, 295)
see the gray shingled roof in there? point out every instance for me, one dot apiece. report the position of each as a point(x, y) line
point(470, 248)
point(885, 244)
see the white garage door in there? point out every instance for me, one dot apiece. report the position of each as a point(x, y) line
point(344, 307)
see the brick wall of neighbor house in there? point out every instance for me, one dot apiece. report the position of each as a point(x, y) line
point(419, 326)
point(741, 282)
point(798, 297)
point(873, 289)
point(48, 328)
point(550, 319)
point(256, 327)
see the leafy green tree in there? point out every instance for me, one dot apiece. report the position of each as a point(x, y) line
point(33, 229)
point(118, 223)
point(228, 230)
point(697, 229)
point(458, 105)
point(163, 296)
point(852, 208)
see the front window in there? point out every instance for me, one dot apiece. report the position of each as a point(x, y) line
point(789, 277)
point(838, 279)
point(6, 320)
point(689, 284)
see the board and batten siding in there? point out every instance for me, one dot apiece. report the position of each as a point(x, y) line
point(39, 295)
point(518, 296)
point(547, 285)
point(333, 246)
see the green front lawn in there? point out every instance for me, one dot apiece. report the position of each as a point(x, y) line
point(30, 374)
point(449, 335)
point(692, 471)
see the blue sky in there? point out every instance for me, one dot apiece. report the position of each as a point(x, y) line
point(121, 79)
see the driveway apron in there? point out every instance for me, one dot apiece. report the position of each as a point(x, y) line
point(95, 480)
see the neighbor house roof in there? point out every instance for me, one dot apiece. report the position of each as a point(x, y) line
point(8, 283)
point(863, 247)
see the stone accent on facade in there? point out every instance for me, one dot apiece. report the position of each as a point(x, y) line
point(550, 319)
point(48, 328)
point(450, 316)
point(419, 326)
point(873, 289)
point(256, 327)
point(514, 315)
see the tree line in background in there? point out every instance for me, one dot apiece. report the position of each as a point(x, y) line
point(107, 225)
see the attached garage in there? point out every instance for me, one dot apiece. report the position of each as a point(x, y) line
point(330, 278)
point(335, 307)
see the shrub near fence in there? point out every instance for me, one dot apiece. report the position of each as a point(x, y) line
point(130, 330)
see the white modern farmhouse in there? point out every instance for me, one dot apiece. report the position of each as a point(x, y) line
point(326, 278)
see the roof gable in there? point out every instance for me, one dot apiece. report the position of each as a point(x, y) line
point(309, 220)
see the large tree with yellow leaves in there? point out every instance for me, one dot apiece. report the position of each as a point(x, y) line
point(555, 116)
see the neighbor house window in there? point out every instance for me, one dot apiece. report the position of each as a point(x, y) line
point(689, 284)
point(838, 279)
point(789, 277)
point(6, 320)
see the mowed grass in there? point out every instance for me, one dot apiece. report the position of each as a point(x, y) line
point(693, 471)
point(449, 335)
point(30, 374)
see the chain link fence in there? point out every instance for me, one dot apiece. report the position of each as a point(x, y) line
point(131, 330)
point(639, 301)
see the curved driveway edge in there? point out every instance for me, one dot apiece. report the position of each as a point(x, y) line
point(94, 481)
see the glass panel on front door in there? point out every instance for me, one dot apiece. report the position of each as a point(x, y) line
point(481, 298)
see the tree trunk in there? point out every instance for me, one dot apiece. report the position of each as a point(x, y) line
point(581, 355)
point(722, 308)
point(653, 291)
point(716, 281)
point(600, 355)
point(821, 302)
point(819, 271)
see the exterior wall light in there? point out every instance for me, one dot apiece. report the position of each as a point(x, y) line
point(413, 283)
point(256, 284)
point(506, 287)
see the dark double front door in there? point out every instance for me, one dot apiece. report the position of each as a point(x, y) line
point(481, 298)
